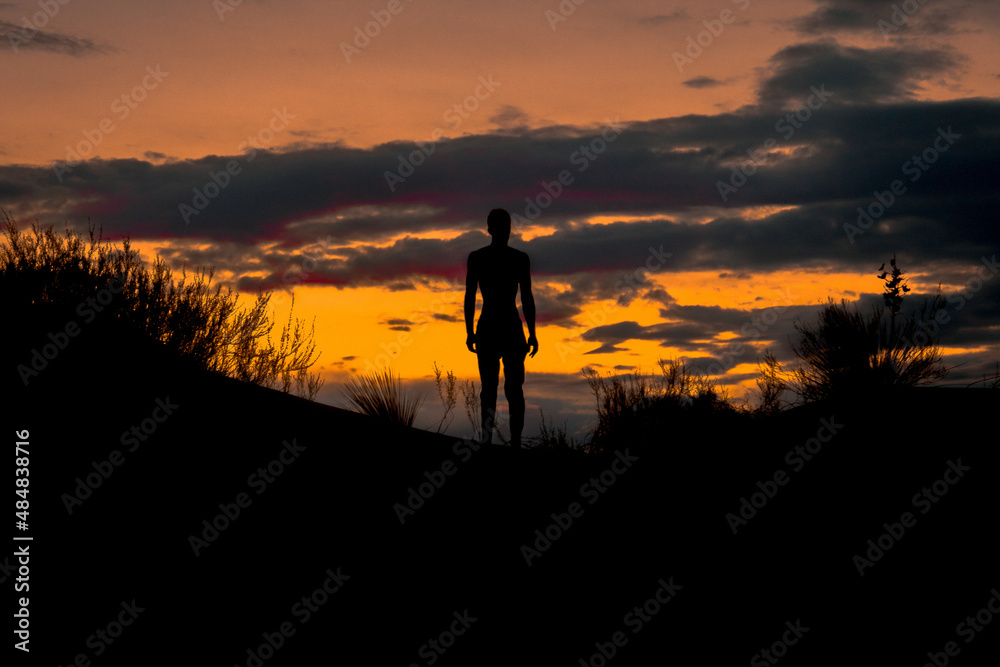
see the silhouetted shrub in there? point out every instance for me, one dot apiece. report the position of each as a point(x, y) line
point(851, 355)
point(552, 437)
point(45, 276)
point(771, 386)
point(636, 408)
point(381, 395)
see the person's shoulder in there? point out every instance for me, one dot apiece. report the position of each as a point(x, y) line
point(478, 253)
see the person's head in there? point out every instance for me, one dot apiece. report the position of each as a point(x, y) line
point(498, 225)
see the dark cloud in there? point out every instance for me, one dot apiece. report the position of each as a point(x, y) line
point(702, 82)
point(22, 38)
point(660, 296)
point(510, 117)
point(853, 75)
point(834, 15)
point(886, 19)
point(156, 156)
point(307, 205)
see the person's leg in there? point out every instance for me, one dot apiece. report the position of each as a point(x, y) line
point(489, 379)
point(513, 389)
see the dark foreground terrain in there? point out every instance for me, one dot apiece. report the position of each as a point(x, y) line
point(139, 557)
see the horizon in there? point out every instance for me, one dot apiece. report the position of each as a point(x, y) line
point(684, 179)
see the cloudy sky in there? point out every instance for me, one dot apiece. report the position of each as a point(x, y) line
point(689, 179)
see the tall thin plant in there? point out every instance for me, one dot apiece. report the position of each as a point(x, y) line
point(444, 384)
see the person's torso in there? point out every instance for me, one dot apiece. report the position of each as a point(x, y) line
point(499, 270)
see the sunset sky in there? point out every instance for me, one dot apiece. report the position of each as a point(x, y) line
point(685, 177)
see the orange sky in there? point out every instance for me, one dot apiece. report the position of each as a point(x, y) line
point(225, 77)
point(221, 78)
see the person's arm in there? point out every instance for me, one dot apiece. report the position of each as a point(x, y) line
point(471, 285)
point(528, 304)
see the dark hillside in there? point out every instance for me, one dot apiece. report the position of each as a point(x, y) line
point(646, 517)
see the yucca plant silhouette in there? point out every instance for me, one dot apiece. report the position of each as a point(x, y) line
point(848, 352)
point(381, 394)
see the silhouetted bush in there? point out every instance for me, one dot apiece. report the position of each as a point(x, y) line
point(848, 355)
point(552, 437)
point(45, 277)
point(635, 408)
point(381, 395)
point(771, 386)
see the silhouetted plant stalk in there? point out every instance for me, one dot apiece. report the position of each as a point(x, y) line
point(445, 386)
point(188, 317)
point(470, 399)
point(895, 288)
point(990, 381)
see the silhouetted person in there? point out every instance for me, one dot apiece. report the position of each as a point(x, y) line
point(497, 270)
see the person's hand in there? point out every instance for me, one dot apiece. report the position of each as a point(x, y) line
point(533, 344)
point(470, 342)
